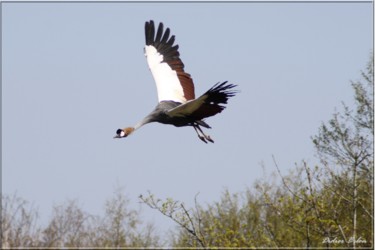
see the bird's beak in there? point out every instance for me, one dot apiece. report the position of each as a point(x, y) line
point(116, 136)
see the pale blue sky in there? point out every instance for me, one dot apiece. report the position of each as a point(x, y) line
point(72, 73)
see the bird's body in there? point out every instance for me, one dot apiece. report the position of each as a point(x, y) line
point(177, 104)
point(160, 114)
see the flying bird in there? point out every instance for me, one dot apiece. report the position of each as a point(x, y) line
point(177, 103)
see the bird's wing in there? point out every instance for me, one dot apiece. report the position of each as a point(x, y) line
point(206, 105)
point(172, 82)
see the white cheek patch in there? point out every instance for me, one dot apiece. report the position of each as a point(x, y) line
point(122, 133)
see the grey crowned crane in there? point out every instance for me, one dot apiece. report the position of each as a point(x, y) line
point(177, 103)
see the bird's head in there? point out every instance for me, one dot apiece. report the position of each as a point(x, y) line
point(121, 133)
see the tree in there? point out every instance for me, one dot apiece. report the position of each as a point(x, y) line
point(189, 221)
point(121, 226)
point(345, 148)
point(18, 223)
point(70, 226)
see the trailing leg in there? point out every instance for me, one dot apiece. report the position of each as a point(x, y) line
point(207, 137)
point(199, 135)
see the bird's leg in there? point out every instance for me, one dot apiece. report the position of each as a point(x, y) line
point(200, 136)
point(205, 136)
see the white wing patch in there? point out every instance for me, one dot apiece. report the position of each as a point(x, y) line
point(167, 82)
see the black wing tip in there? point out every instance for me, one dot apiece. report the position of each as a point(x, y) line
point(163, 41)
point(149, 32)
point(220, 93)
point(149, 24)
point(225, 88)
point(152, 37)
point(158, 36)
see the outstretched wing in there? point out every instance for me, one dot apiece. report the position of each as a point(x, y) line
point(172, 82)
point(208, 104)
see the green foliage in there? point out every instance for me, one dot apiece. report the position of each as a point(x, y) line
point(345, 147)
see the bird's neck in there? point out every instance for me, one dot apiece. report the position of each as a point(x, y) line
point(144, 121)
